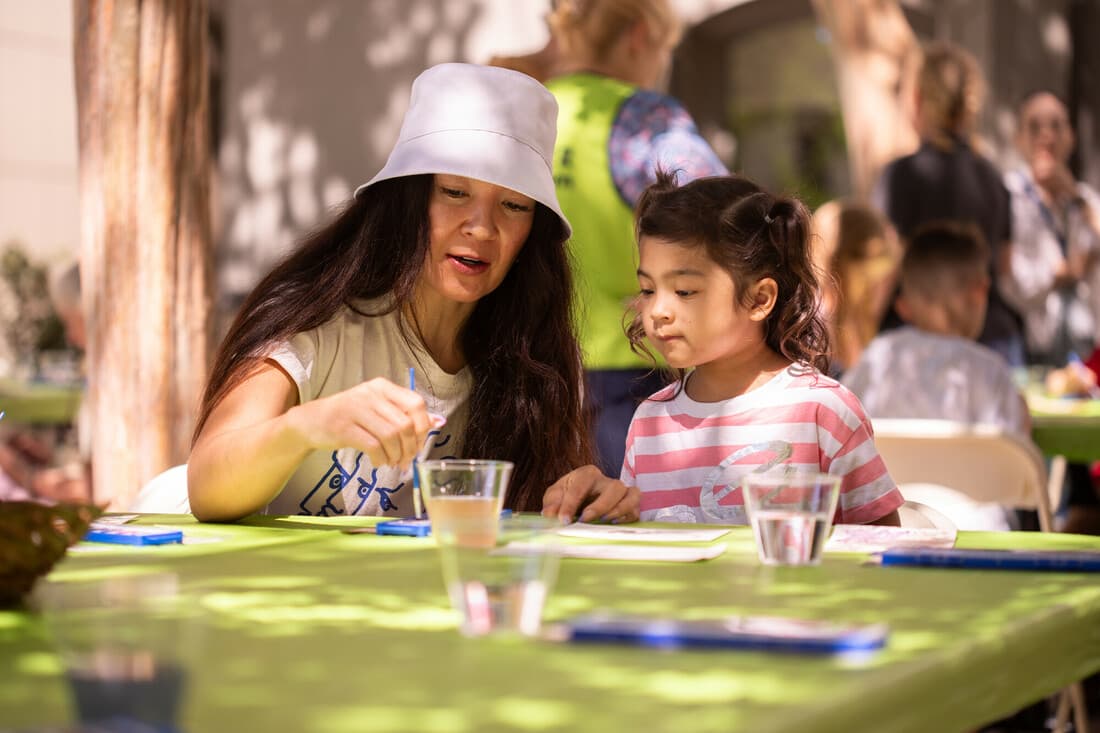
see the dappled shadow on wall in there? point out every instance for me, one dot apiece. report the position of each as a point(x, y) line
point(312, 97)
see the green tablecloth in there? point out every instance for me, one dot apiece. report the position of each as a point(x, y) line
point(1063, 426)
point(302, 628)
point(1073, 432)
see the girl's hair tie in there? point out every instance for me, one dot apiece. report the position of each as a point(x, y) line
point(768, 219)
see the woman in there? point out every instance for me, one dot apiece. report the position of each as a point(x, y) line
point(947, 180)
point(451, 261)
point(613, 131)
point(1055, 270)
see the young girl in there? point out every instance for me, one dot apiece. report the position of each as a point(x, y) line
point(728, 292)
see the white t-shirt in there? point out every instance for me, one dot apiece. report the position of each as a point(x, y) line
point(349, 349)
point(1035, 256)
point(909, 373)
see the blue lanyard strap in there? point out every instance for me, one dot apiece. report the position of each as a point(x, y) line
point(1048, 217)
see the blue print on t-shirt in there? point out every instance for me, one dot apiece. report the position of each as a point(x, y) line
point(335, 479)
point(384, 500)
point(319, 502)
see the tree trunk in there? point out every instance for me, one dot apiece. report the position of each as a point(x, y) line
point(876, 55)
point(142, 106)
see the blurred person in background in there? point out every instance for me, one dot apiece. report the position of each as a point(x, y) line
point(932, 368)
point(52, 463)
point(1054, 274)
point(614, 130)
point(856, 253)
point(946, 179)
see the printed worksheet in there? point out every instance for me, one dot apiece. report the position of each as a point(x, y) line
point(646, 553)
point(618, 533)
point(875, 538)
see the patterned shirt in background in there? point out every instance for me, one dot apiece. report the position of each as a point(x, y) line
point(653, 129)
point(687, 457)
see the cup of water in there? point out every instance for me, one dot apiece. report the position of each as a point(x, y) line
point(122, 641)
point(791, 515)
point(498, 571)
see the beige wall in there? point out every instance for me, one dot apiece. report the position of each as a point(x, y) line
point(37, 128)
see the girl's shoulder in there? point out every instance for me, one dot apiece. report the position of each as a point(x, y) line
point(812, 385)
point(662, 399)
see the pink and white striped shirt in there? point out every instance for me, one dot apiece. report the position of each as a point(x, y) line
point(688, 457)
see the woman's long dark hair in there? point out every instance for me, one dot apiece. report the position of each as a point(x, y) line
point(752, 234)
point(525, 403)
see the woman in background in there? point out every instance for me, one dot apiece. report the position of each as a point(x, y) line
point(614, 130)
point(946, 179)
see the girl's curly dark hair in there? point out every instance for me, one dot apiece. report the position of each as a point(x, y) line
point(752, 234)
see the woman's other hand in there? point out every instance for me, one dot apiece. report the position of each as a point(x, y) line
point(594, 496)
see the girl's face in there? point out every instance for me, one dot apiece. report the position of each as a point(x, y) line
point(690, 308)
point(477, 230)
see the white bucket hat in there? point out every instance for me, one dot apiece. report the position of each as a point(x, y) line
point(483, 122)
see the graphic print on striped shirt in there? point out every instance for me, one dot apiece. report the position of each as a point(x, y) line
point(688, 457)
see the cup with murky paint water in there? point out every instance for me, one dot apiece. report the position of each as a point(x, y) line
point(791, 515)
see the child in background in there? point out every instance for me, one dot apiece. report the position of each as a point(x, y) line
point(729, 297)
point(933, 367)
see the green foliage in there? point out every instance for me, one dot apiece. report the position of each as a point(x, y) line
point(30, 324)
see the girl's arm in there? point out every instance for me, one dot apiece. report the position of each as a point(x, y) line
point(258, 435)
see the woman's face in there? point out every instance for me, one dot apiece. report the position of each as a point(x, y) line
point(1044, 137)
point(477, 230)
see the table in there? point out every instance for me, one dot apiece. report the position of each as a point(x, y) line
point(304, 628)
point(1066, 427)
point(39, 403)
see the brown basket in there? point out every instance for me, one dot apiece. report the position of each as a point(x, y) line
point(33, 537)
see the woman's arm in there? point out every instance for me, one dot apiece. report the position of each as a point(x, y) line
point(258, 435)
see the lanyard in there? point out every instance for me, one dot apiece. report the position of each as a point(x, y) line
point(1048, 218)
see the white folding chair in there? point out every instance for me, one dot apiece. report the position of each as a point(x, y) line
point(983, 462)
point(989, 465)
point(165, 493)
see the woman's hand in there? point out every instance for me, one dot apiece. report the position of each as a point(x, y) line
point(387, 422)
point(602, 498)
point(258, 436)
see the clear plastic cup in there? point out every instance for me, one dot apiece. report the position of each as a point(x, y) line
point(790, 514)
point(498, 571)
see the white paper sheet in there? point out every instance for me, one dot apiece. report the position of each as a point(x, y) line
point(647, 553)
point(640, 534)
point(876, 538)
